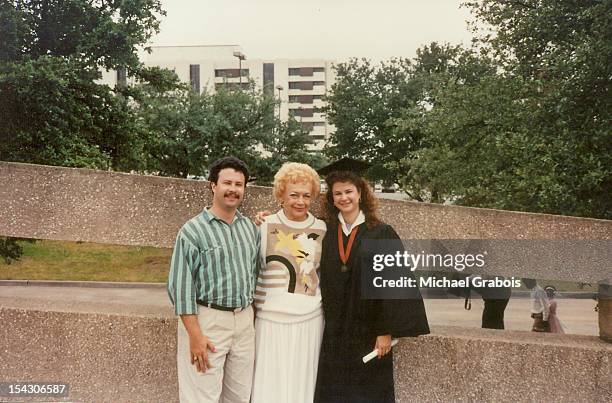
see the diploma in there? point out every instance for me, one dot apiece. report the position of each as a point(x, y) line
point(374, 352)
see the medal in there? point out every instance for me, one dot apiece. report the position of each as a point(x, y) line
point(344, 255)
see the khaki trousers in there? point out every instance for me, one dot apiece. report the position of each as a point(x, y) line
point(230, 378)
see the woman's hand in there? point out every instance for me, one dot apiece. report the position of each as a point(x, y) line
point(260, 217)
point(383, 344)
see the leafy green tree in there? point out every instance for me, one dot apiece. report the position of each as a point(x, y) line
point(533, 133)
point(97, 33)
point(289, 143)
point(377, 109)
point(11, 249)
point(228, 122)
point(51, 52)
point(187, 131)
point(362, 101)
point(244, 123)
point(54, 113)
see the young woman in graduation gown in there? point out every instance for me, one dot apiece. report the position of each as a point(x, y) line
point(355, 326)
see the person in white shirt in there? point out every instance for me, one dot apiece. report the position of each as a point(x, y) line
point(289, 317)
point(540, 309)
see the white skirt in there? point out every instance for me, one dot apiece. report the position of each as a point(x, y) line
point(286, 360)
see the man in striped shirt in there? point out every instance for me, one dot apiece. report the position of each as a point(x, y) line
point(211, 284)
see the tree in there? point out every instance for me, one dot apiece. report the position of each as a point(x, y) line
point(531, 134)
point(376, 109)
point(288, 144)
point(51, 52)
point(11, 249)
point(97, 33)
point(54, 113)
point(361, 103)
point(187, 131)
point(191, 130)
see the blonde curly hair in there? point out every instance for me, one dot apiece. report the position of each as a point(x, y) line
point(294, 172)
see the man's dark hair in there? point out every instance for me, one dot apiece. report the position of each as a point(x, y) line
point(228, 162)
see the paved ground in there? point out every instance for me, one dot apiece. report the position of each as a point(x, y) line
point(577, 314)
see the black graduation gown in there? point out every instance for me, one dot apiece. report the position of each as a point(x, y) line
point(352, 325)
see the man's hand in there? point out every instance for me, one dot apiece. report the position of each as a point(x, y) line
point(260, 217)
point(199, 346)
point(383, 344)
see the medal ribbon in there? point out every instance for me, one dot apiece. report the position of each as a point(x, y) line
point(344, 256)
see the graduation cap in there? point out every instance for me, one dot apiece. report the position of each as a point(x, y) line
point(345, 164)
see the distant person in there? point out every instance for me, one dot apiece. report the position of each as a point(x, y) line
point(556, 326)
point(539, 306)
point(495, 300)
point(211, 285)
point(495, 303)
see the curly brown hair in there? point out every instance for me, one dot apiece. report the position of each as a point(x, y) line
point(368, 202)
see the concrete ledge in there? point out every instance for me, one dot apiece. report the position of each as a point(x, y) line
point(467, 365)
point(85, 284)
point(122, 358)
point(104, 358)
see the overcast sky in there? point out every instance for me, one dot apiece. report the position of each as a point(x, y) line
point(327, 29)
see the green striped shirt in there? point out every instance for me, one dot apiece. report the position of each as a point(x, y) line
point(215, 262)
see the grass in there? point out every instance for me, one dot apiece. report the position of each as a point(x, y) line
point(76, 261)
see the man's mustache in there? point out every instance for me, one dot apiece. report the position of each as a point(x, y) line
point(232, 194)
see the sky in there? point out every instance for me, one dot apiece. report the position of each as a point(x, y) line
point(315, 29)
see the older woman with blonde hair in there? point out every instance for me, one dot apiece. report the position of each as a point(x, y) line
point(289, 319)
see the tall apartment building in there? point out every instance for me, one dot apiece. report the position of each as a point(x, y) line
point(299, 84)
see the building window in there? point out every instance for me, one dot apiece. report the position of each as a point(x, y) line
point(231, 73)
point(319, 124)
point(302, 99)
point(317, 97)
point(301, 112)
point(305, 99)
point(301, 85)
point(194, 77)
point(318, 83)
point(305, 71)
point(268, 78)
point(122, 77)
point(317, 136)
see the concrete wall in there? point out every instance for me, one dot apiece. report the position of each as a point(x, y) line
point(123, 358)
point(476, 365)
point(97, 206)
point(104, 358)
